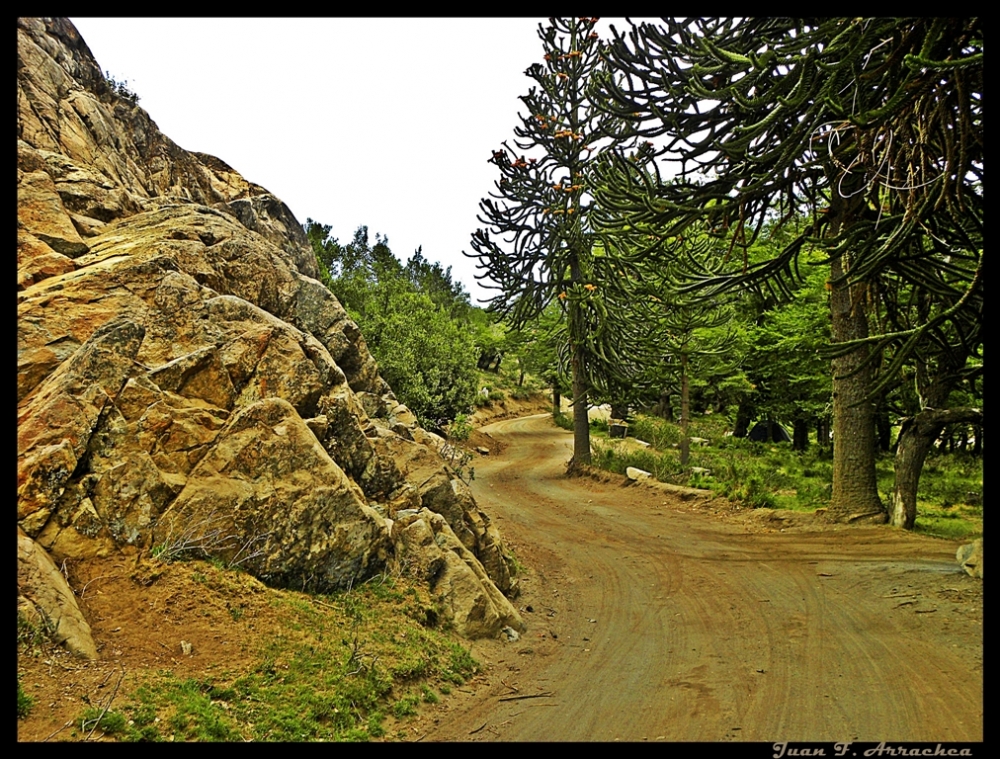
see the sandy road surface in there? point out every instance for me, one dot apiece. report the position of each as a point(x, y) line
point(653, 618)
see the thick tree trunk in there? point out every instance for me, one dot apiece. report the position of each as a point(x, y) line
point(744, 415)
point(883, 429)
point(855, 490)
point(916, 437)
point(556, 402)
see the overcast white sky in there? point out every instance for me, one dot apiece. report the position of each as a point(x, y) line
point(350, 121)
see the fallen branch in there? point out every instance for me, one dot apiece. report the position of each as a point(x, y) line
point(533, 695)
point(58, 729)
point(107, 706)
point(95, 579)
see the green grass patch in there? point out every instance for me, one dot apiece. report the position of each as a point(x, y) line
point(337, 667)
point(24, 702)
point(107, 721)
point(772, 475)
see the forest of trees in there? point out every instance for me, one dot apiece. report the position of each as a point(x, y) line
point(774, 219)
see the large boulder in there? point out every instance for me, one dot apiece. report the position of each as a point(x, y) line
point(465, 596)
point(45, 600)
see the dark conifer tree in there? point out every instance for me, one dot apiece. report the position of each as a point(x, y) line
point(538, 245)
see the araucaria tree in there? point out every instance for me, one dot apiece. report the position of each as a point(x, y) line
point(538, 245)
point(873, 126)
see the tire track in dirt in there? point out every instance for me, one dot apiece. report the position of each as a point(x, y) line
point(652, 620)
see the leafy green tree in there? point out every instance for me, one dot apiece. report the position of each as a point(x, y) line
point(426, 357)
point(326, 248)
point(784, 355)
point(536, 349)
point(872, 125)
point(415, 320)
point(941, 367)
point(538, 246)
point(436, 283)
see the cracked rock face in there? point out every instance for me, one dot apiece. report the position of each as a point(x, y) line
point(186, 386)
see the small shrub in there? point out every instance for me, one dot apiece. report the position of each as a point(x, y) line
point(601, 425)
point(563, 420)
point(430, 696)
point(462, 661)
point(120, 88)
point(109, 722)
point(405, 707)
point(32, 634)
point(24, 702)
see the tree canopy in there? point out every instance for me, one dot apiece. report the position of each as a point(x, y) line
point(871, 126)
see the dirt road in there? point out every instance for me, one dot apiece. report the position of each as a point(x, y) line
point(655, 618)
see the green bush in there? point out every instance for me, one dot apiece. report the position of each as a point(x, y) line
point(563, 420)
point(24, 702)
point(109, 722)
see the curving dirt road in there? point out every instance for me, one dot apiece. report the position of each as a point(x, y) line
point(655, 618)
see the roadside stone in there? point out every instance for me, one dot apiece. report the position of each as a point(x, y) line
point(45, 595)
point(970, 557)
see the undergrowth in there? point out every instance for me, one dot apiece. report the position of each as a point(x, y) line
point(773, 475)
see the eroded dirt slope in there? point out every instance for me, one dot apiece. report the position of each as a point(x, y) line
point(656, 618)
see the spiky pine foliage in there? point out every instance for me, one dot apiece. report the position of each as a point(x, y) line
point(538, 245)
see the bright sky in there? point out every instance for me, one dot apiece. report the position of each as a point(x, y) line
point(350, 121)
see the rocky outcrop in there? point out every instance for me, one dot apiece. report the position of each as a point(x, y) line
point(186, 386)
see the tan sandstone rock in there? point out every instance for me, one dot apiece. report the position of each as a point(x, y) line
point(44, 595)
point(185, 384)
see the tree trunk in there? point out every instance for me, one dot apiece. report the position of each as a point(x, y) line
point(800, 435)
point(581, 421)
point(823, 432)
point(685, 413)
point(663, 409)
point(855, 490)
point(744, 415)
point(883, 428)
point(916, 437)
